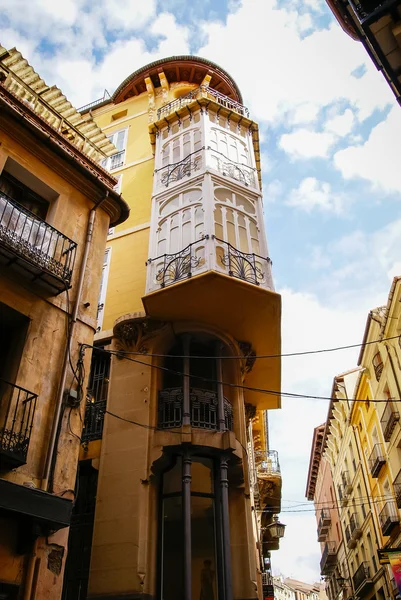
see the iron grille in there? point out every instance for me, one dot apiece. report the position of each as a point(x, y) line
point(328, 560)
point(203, 405)
point(96, 402)
point(34, 240)
point(177, 266)
point(388, 421)
point(17, 410)
point(389, 517)
point(183, 168)
point(376, 460)
point(362, 576)
point(243, 265)
point(202, 90)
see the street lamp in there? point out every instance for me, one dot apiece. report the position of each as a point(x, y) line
point(276, 529)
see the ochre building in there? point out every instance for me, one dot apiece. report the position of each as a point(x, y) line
point(178, 485)
point(56, 206)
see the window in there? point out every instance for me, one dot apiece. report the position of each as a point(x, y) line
point(119, 139)
point(23, 195)
point(206, 509)
point(103, 288)
point(236, 220)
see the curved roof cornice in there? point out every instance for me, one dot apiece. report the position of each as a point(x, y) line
point(175, 69)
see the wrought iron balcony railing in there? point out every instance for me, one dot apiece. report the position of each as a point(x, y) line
point(50, 255)
point(362, 578)
point(242, 265)
point(389, 419)
point(329, 558)
point(17, 410)
point(389, 518)
point(323, 525)
point(397, 489)
point(376, 460)
point(203, 407)
point(351, 543)
point(345, 478)
point(193, 163)
point(106, 96)
point(208, 254)
point(267, 463)
point(205, 92)
point(94, 421)
point(355, 527)
point(115, 161)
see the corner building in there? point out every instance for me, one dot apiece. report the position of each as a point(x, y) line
point(187, 303)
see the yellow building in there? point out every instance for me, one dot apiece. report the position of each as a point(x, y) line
point(362, 446)
point(183, 507)
point(56, 206)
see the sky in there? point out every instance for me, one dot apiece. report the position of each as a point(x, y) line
point(331, 141)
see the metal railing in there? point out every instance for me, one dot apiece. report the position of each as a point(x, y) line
point(229, 168)
point(267, 463)
point(243, 265)
point(203, 409)
point(17, 410)
point(175, 267)
point(114, 161)
point(345, 478)
point(25, 234)
point(376, 459)
point(397, 489)
point(106, 96)
point(389, 419)
point(328, 557)
point(355, 526)
point(183, 168)
point(361, 576)
point(96, 395)
point(206, 92)
point(367, 8)
point(389, 517)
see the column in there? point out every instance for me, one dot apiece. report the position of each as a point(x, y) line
point(220, 391)
point(186, 509)
point(226, 528)
point(186, 420)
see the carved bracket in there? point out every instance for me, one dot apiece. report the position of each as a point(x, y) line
point(133, 333)
point(249, 359)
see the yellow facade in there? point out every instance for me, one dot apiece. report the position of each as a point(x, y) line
point(197, 291)
point(52, 240)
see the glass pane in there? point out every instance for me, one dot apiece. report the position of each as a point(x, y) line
point(203, 549)
point(202, 475)
point(172, 557)
point(119, 142)
point(172, 479)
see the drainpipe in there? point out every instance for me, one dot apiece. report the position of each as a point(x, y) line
point(60, 396)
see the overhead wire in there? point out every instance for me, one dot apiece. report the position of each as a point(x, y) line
point(264, 356)
point(226, 383)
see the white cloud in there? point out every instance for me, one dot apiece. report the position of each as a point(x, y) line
point(304, 144)
point(341, 124)
point(377, 160)
point(312, 194)
point(303, 113)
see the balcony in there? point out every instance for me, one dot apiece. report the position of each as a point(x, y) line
point(209, 253)
point(324, 525)
point(202, 92)
point(203, 408)
point(397, 489)
point(210, 158)
point(115, 161)
point(35, 248)
point(376, 460)
point(362, 579)
point(351, 543)
point(345, 478)
point(355, 528)
point(342, 496)
point(329, 558)
point(388, 421)
point(17, 411)
point(389, 518)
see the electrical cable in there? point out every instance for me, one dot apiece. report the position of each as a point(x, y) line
point(228, 384)
point(263, 356)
